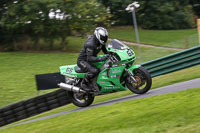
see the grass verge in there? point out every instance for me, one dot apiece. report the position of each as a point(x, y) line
point(175, 112)
point(18, 70)
point(167, 38)
point(164, 80)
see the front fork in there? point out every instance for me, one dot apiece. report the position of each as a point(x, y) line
point(130, 76)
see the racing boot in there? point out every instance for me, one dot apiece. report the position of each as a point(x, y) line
point(84, 85)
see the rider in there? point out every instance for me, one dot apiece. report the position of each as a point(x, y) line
point(88, 55)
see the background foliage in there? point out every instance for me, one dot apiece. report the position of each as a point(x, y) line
point(50, 21)
point(161, 14)
point(155, 14)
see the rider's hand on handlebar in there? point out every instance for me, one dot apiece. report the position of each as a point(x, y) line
point(103, 58)
point(108, 56)
point(109, 53)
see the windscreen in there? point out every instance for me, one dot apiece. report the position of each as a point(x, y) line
point(116, 44)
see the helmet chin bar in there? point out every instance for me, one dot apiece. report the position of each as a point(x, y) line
point(102, 42)
point(101, 35)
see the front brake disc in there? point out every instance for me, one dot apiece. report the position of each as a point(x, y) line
point(138, 79)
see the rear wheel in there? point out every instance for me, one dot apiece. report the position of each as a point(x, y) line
point(80, 99)
point(144, 81)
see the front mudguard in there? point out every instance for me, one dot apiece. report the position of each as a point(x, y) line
point(133, 67)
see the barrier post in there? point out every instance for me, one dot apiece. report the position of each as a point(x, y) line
point(198, 28)
point(38, 92)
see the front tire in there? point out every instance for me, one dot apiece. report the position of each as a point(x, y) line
point(144, 81)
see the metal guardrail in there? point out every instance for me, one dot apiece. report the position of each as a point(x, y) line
point(58, 98)
point(174, 62)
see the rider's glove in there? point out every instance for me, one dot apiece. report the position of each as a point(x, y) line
point(109, 53)
point(103, 58)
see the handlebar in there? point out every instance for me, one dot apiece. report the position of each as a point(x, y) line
point(112, 57)
point(111, 60)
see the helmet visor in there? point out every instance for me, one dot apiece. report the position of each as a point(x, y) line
point(103, 38)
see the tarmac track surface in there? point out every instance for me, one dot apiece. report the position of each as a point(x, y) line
point(163, 90)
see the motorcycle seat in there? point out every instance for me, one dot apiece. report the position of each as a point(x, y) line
point(79, 70)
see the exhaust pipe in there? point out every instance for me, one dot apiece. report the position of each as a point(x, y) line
point(70, 88)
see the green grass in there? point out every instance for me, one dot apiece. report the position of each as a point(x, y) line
point(164, 80)
point(167, 38)
point(169, 113)
point(18, 69)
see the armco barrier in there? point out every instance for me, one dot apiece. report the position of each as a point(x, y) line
point(33, 106)
point(174, 62)
point(39, 104)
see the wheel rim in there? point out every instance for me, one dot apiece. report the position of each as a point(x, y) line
point(137, 78)
point(141, 82)
point(81, 98)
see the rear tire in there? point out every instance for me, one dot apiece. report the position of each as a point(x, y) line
point(81, 99)
point(144, 81)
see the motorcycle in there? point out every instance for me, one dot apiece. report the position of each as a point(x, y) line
point(117, 73)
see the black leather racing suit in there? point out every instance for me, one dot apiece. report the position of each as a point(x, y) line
point(88, 55)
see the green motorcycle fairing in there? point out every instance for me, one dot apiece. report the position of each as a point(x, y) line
point(69, 71)
point(110, 78)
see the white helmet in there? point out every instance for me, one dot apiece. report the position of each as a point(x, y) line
point(101, 34)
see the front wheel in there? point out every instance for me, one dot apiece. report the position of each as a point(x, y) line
point(143, 81)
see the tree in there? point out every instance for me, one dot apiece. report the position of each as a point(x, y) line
point(9, 32)
point(52, 19)
point(117, 9)
point(161, 14)
point(153, 14)
point(196, 6)
point(80, 19)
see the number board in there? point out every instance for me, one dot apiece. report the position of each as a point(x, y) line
point(69, 70)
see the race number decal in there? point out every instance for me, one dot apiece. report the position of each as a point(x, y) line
point(129, 52)
point(69, 70)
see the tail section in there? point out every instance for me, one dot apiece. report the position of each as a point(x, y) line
point(69, 71)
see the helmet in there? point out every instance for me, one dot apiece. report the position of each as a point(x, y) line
point(101, 35)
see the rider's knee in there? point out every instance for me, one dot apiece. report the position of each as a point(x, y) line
point(95, 71)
